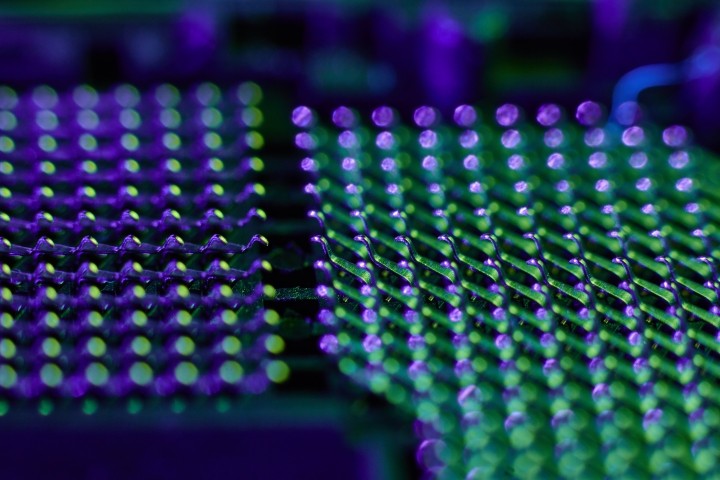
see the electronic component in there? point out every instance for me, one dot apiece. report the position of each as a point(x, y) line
point(541, 293)
point(129, 253)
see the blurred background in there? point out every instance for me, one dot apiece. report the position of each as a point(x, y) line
point(368, 51)
point(663, 54)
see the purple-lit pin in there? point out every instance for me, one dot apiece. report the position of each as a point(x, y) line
point(589, 113)
point(507, 115)
point(303, 117)
point(425, 116)
point(343, 117)
point(548, 115)
point(383, 116)
point(465, 116)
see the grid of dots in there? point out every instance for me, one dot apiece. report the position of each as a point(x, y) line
point(541, 293)
point(130, 265)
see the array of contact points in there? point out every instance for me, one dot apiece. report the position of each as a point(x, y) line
point(128, 260)
point(541, 293)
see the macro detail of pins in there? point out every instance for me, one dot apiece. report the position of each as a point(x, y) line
point(539, 288)
point(130, 263)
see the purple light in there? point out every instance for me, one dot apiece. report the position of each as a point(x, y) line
point(305, 141)
point(643, 184)
point(347, 139)
point(468, 139)
point(308, 165)
point(349, 164)
point(387, 164)
point(594, 137)
point(675, 136)
point(425, 116)
point(383, 116)
point(684, 184)
point(471, 162)
point(554, 137)
point(302, 117)
point(385, 140)
point(598, 160)
point(511, 139)
point(507, 115)
point(628, 113)
point(372, 343)
point(555, 161)
point(343, 117)
point(638, 160)
point(430, 163)
point(602, 185)
point(692, 207)
point(428, 138)
point(516, 162)
point(679, 159)
point(520, 187)
point(503, 341)
point(548, 115)
point(633, 136)
point(589, 113)
point(416, 342)
point(329, 344)
point(465, 116)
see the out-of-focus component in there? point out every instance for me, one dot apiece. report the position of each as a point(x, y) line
point(129, 260)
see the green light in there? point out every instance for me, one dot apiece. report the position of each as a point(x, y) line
point(95, 318)
point(47, 143)
point(141, 373)
point(8, 121)
point(6, 320)
point(249, 93)
point(8, 376)
point(252, 117)
point(6, 144)
point(231, 345)
point(185, 346)
point(274, 344)
point(129, 142)
point(51, 375)
point(7, 348)
point(254, 140)
point(130, 119)
point(51, 347)
point(87, 142)
point(170, 118)
point(228, 316)
point(277, 371)
point(183, 317)
point(89, 406)
point(211, 117)
point(141, 346)
point(97, 374)
point(171, 141)
point(216, 165)
point(96, 347)
point(212, 140)
point(45, 407)
point(231, 371)
point(139, 318)
point(186, 373)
